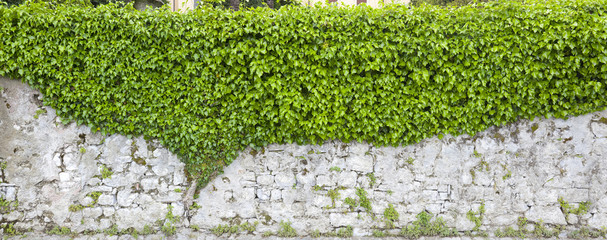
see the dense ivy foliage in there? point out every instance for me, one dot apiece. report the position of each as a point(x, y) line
point(212, 82)
point(247, 4)
point(74, 2)
point(10, 2)
point(453, 3)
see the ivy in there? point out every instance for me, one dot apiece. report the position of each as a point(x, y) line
point(211, 82)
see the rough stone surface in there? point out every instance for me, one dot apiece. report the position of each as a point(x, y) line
point(517, 170)
point(547, 214)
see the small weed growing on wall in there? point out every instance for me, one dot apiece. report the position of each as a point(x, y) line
point(169, 224)
point(378, 233)
point(8, 229)
point(568, 209)
point(522, 223)
point(342, 233)
point(286, 230)
point(39, 112)
point(484, 164)
point(335, 169)
point(481, 165)
point(248, 227)
point(541, 231)
point(134, 234)
point(582, 208)
point(585, 233)
point(473, 174)
point(95, 196)
point(334, 195)
point(534, 127)
point(112, 231)
point(372, 179)
point(476, 217)
point(78, 207)
point(316, 188)
point(225, 229)
point(7, 206)
point(59, 231)
point(390, 216)
point(75, 207)
point(351, 203)
point(266, 234)
point(147, 230)
point(82, 150)
point(509, 232)
point(106, 172)
point(521, 232)
point(423, 226)
point(508, 172)
point(508, 175)
point(195, 206)
point(410, 161)
point(195, 227)
point(315, 234)
point(363, 200)
point(177, 190)
point(168, 229)
point(476, 154)
point(345, 232)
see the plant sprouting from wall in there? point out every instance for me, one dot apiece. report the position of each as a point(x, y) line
point(425, 226)
point(390, 216)
point(477, 216)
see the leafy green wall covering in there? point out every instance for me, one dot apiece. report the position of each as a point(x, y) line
point(211, 82)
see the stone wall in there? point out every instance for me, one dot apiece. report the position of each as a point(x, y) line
point(66, 180)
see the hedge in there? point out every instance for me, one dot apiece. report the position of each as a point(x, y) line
point(209, 83)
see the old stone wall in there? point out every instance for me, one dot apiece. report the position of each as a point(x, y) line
point(546, 177)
